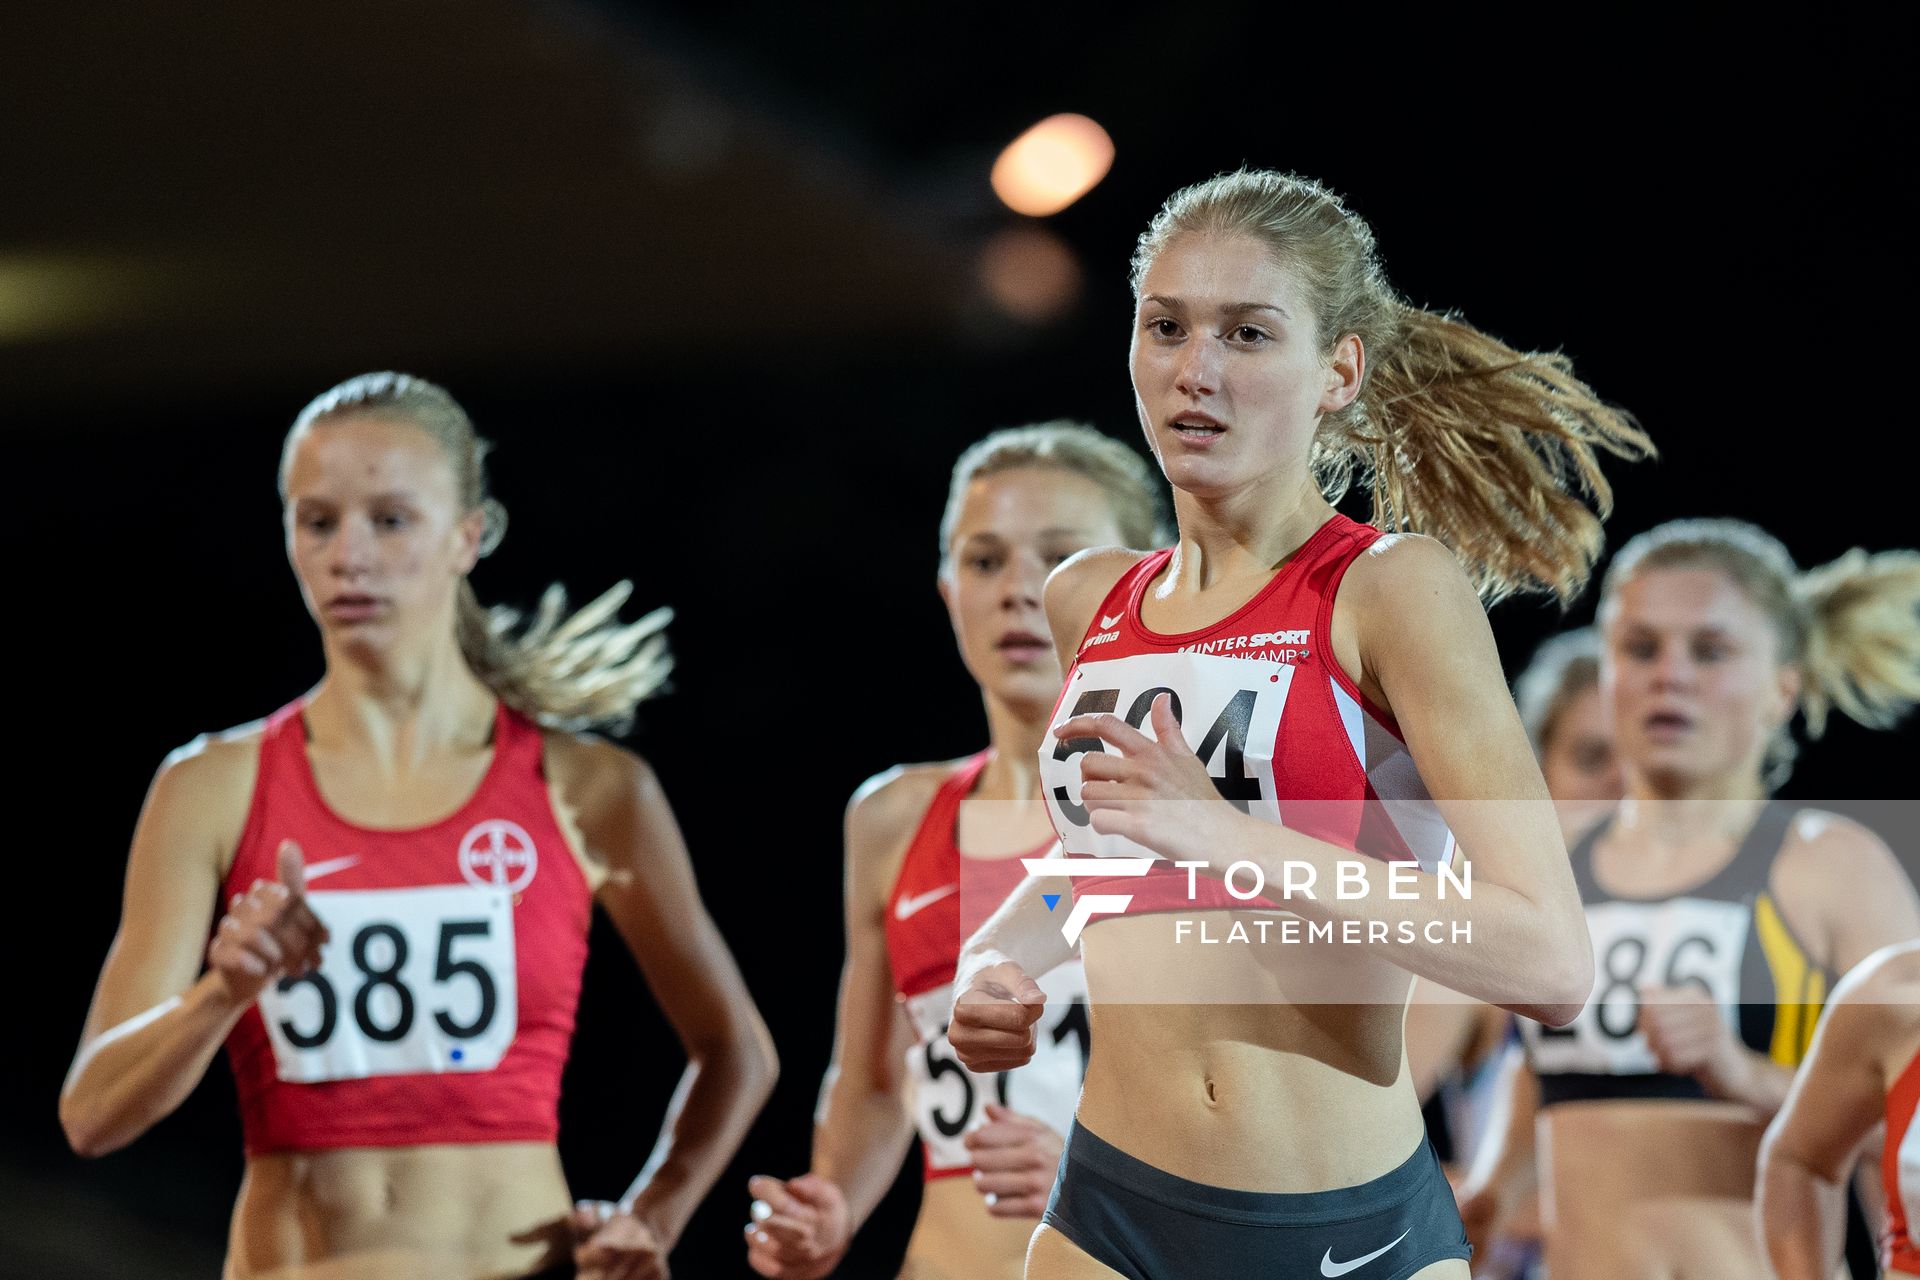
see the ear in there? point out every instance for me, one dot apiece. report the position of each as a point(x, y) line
point(471, 529)
point(1790, 681)
point(1346, 368)
point(944, 583)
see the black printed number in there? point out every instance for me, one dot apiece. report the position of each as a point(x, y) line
point(1074, 1023)
point(942, 1064)
point(377, 978)
point(1616, 1005)
point(446, 968)
point(383, 970)
point(1090, 702)
point(1229, 730)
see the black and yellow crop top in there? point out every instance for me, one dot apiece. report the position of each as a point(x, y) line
point(1725, 936)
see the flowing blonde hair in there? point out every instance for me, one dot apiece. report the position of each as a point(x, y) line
point(1852, 627)
point(587, 670)
point(1137, 499)
point(1488, 449)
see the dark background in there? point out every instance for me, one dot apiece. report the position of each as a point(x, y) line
point(712, 282)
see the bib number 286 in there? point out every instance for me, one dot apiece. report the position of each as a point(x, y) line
point(415, 980)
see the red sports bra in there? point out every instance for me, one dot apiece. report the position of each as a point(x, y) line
point(445, 1000)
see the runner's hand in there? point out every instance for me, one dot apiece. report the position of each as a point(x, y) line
point(991, 1028)
point(1015, 1158)
point(800, 1228)
point(269, 932)
point(611, 1243)
point(1153, 791)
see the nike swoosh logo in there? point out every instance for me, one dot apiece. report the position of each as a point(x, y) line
point(911, 904)
point(1330, 1268)
point(317, 869)
point(1114, 621)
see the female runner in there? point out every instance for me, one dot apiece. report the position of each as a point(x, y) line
point(408, 858)
point(1719, 920)
point(1294, 665)
point(1864, 1067)
point(931, 851)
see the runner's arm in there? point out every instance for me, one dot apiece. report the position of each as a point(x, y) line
point(157, 1020)
point(653, 900)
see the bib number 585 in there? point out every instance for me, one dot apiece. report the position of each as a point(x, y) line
point(379, 952)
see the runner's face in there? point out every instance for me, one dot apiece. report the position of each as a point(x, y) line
point(1012, 528)
point(374, 530)
point(1691, 674)
point(1228, 375)
point(1582, 772)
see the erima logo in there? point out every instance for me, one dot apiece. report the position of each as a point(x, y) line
point(1086, 906)
point(1107, 624)
point(1105, 637)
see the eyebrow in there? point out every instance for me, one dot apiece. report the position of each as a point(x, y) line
point(1231, 308)
point(1057, 531)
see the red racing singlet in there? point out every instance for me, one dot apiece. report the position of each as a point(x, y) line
point(1283, 730)
point(1900, 1173)
point(939, 898)
point(445, 1000)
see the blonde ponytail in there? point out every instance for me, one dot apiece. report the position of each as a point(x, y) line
point(1863, 638)
point(1490, 450)
point(580, 672)
point(1457, 435)
point(587, 670)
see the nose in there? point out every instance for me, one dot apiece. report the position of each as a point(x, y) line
point(1022, 582)
point(1198, 373)
point(350, 550)
point(1672, 668)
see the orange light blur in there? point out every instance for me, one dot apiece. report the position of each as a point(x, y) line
point(1030, 274)
point(1052, 164)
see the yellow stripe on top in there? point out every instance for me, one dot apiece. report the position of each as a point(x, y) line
point(1799, 986)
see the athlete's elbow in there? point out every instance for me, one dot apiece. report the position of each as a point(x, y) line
point(758, 1061)
point(86, 1135)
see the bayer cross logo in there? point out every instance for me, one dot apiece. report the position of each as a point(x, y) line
point(497, 854)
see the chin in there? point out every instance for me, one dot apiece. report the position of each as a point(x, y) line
point(1018, 686)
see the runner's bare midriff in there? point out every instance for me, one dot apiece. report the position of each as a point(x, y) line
point(1252, 1079)
point(1664, 1184)
point(464, 1212)
point(955, 1238)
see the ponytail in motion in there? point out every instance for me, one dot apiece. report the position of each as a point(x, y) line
point(587, 670)
point(1852, 626)
point(1456, 435)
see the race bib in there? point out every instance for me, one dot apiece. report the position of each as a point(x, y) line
point(947, 1101)
point(1683, 942)
point(413, 981)
point(1229, 712)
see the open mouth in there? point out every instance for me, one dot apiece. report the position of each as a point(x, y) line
point(1197, 427)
